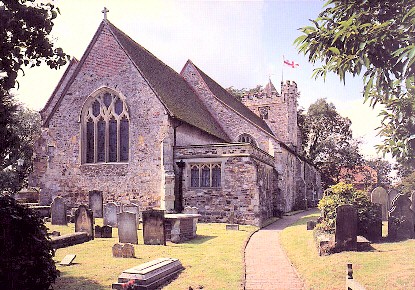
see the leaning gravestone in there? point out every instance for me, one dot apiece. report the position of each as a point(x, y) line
point(127, 228)
point(110, 214)
point(84, 220)
point(133, 208)
point(96, 203)
point(380, 196)
point(58, 211)
point(346, 227)
point(67, 260)
point(401, 219)
point(154, 227)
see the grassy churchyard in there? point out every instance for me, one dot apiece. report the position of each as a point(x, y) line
point(214, 260)
point(390, 265)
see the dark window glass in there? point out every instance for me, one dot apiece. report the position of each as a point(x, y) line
point(90, 141)
point(124, 139)
point(96, 108)
point(216, 176)
point(107, 99)
point(101, 141)
point(112, 141)
point(205, 182)
point(118, 107)
point(194, 176)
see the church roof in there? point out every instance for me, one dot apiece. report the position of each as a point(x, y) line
point(177, 96)
point(224, 96)
point(173, 91)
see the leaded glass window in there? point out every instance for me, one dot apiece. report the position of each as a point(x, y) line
point(105, 129)
point(205, 175)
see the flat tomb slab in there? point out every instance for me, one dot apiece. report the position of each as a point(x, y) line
point(150, 275)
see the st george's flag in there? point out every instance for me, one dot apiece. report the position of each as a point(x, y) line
point(292, 64)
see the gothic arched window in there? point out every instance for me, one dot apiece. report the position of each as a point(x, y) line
point(246, 138)
point(105, 128)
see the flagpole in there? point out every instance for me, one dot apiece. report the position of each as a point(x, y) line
point(282, 70)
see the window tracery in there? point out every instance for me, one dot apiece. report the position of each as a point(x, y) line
point(105, 129)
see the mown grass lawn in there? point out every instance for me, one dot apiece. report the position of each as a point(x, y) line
point(214, 260)
point(389, 265)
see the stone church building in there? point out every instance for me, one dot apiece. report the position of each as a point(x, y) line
point(123, 122)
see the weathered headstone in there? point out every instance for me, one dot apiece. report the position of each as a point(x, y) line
point(133, 208)
point(401, 219)
point(123, 251)
point(110, 214)
point(380, 196)
point(154, 227)
point(346, 227)
point(67, 260)
point(96, 202)
point(58, 211)
point(103, 232)
point(127, 228)
point(84, 220)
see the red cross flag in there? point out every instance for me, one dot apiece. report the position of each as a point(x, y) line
point(292, 64)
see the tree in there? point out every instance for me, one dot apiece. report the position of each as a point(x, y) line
point(328, 142)
point(26, 261)
point(24, 130)
point(25, 26)
point(239, 93)
point(376, 39)
point(383, 169)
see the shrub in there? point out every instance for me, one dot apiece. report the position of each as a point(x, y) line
point(341, 194)
point(27, 262)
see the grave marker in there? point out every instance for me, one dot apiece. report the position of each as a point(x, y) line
point(67, 260)
point(401, 219)
point(58, 211)
point(393, 193)
point(110, 214)
point(127, 228)
point(133, 208)
point(380, 196)
point(84, 220)
point(103, 232)
point(154, 227)
point(346, 227)
point(96, 202)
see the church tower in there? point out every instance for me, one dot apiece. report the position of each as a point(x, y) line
point(279, 111)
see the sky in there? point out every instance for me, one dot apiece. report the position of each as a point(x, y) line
point(237, 43)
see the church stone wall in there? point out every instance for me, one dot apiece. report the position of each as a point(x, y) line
point(247, 189)
point(189, 135)
point(62, 172)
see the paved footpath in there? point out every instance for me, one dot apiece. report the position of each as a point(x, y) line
point(267, 266)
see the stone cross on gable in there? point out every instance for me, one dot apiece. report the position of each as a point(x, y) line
point(105, 11)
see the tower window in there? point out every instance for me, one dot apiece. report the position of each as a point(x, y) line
point(105, 129)
point(263, 112)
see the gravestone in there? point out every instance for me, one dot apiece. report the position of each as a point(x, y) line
point(346, 227)
point(123, 251)
point(67, 260)
point(103, 232)
point(154, 227)
point(127, 228)
point(58, 211)
point(96, 202)
point(133, 208)
point(380, 196)
point(401, 219)
point(110, 214)
point(393, 193)
point(84, 220)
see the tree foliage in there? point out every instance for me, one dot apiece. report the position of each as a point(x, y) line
point(239, 93)
point(383, 169)
point(376, 39)
point(26, 261)
point(341, 194)
point(328, 141)
point(24, 129)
